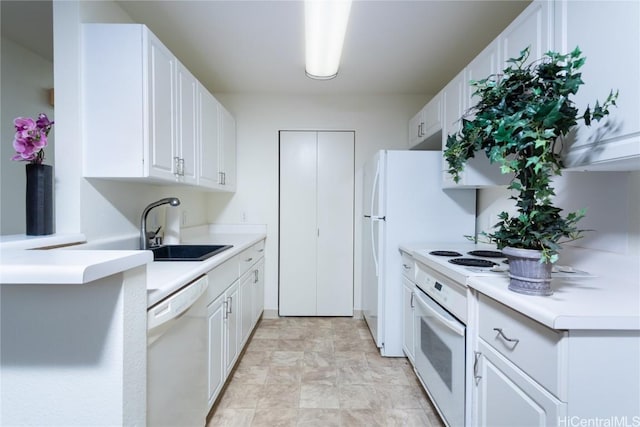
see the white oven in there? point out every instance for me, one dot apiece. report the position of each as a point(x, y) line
point(440, 343)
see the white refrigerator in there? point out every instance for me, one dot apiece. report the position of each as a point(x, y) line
point(403, 203)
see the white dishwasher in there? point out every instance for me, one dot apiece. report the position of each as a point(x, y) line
point(176, 358)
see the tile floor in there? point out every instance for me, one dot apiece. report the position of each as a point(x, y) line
point(322, 372)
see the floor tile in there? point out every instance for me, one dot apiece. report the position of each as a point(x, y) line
point(318, 418)
point(358, 397)
point(320, 375)
point(279, 396)
point(275, 418)
point(319, 396)
point(321, 372)
point(248, 374)
point(284, 374)
point(361, 418)
point(232, 418)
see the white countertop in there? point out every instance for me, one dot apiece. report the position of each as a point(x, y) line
point(165, 277)
point(19, 266)
point(610, 299)
point(586, 303)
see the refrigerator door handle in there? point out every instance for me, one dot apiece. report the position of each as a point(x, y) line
point(374, 249)
point(374, 189)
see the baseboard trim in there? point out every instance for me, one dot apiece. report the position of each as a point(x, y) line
point(273, 314)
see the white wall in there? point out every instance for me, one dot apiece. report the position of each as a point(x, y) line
point(26, 81)
point(612, 200)
point(380, 122)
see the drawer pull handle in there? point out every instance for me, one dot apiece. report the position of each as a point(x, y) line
point(500, 333)
point(406, 267)
point(248, 260)
point(476, 358)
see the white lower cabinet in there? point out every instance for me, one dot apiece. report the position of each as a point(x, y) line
point(232, 327)
point(506, 396)
point(215, 359)
point(237, 293)
point(527, 374)
point(408, 308)
point(258, 291)
point(246, 302)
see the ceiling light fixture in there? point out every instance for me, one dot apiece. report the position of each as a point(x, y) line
point(325, 28)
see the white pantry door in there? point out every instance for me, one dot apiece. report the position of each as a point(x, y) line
point(316, 223)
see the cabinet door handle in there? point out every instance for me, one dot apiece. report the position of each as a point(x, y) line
point(413, 294)
point(176, 165)
point(220, 180)
point(230, 305)
point(476, 358)
point(226, 309)
point(255, 276)
point(420, 130)
point(501, 334)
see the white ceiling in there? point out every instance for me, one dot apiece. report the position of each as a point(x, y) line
point(240, 46)
point(391, 47)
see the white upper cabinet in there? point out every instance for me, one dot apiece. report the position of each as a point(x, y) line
point(227, 150)
point(487, 63)
point(142, 116)
point(457, 99)
point(425, 126)
point(208, 172)
point(532, 28)
point(608, 33)
point(187, 120)
point(161, 88)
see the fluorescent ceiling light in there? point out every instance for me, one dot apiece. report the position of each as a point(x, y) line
point(325, 28)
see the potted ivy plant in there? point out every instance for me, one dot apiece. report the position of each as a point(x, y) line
point(519, 123)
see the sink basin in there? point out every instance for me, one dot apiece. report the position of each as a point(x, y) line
point(187, 252)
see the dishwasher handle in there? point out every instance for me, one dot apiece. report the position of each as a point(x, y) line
point(175, 305)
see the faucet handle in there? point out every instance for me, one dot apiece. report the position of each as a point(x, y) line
point(153, 239)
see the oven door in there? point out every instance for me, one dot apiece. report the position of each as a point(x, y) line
point(440, 357)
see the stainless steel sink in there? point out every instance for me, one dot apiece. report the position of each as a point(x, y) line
point(187, 252)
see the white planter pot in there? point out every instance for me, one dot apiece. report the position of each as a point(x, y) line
point(528, 275)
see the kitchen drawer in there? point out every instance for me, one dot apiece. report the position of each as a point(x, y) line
point(539, 351)
point(250, 256)
point(221, 277)
point(408, 266)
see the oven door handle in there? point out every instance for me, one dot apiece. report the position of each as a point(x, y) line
point(451, 324)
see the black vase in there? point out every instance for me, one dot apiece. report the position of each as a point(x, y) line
point(39, 200)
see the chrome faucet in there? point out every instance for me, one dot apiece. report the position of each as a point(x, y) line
point(144, 242)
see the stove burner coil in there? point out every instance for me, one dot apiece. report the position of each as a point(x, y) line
point(472, 262)
point(487, 254)
point(445, 253)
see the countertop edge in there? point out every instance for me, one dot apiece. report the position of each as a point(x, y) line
point(48, 268)
point(496, 288)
